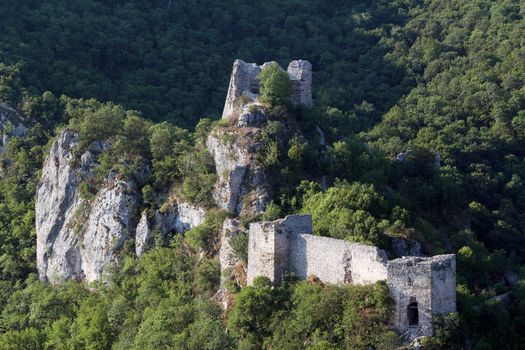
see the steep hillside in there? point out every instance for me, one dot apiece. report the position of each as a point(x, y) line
point(136, 209)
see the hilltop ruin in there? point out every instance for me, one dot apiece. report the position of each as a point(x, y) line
point(421, 287)
point(243, 81)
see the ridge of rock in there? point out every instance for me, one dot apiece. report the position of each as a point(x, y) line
point(79, 238)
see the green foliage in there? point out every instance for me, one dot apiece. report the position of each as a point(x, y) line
point(434, 78)
point(10, 85)
point(138, 53)
point(207, 277)
point(348, 211)
point(239, 244)
point(202, 236)
point(276, 87)
point(272, 212)
point(253, 310)
point(99, 123)
point(317, 316)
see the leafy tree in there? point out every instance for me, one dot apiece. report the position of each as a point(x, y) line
point(348, 211)
point(276, 87)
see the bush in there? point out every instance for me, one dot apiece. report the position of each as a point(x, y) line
point(207, 277)
point(348, 211)
point(201, 237)
point(199, 177)
point(276, 87)
point(239, 244)
point(100, 123)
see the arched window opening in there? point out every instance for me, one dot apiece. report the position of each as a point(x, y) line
point(412, 314)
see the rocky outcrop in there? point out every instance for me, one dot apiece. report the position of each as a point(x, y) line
point(241, 186)
point(10, 125)
point(252, 115)
point(78, 238)
point(110, 223)
point(178, 218)
point(404, 247)
point(243, 82)
point(143, 234)
point(232, 267)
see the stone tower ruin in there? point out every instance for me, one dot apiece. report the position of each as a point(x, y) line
point(244, 81)
point(421, 287)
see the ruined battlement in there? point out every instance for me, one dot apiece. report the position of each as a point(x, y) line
point(244, 80)
point(421, 287)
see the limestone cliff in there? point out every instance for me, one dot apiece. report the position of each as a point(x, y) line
point(177, 217)
point(241, 186)
point(78, 238)
point(11, 124)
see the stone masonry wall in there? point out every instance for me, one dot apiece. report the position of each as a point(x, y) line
point(429, 282)
point(269, 246)
point(443, 284)
point(286, 245)
point(420, 287)
point(346, 262)
point(243, 80)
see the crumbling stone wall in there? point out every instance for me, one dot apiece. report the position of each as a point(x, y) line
point(421, 287)
point(300, 73)
point(287, 246)
point(427, 285)
point(335, 260)
point(269, 246)
point(244, 81)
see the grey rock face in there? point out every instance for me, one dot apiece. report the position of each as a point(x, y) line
point(179, 218)
point(243, 81)
point(241, 184)
point(230, 263)
point(79, 238)
point(403, 247)
point(143, 234)
point(58, 253)
point(10, 125)
point(109, 224)
point(252, 115)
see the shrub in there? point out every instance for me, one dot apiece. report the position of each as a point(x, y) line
point(348, 211)
point(207, 276)
point(201, 237)
point(239, 244)
point(276, 87)
point(100, 123)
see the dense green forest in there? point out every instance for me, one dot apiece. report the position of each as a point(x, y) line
point(423, 79)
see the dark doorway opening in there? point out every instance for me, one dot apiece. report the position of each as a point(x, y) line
point(412, 314)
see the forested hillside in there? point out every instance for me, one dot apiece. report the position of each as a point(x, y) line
point(421, 104)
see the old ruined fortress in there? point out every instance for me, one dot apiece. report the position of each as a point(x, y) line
point(80, 238)
point(422, 287)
